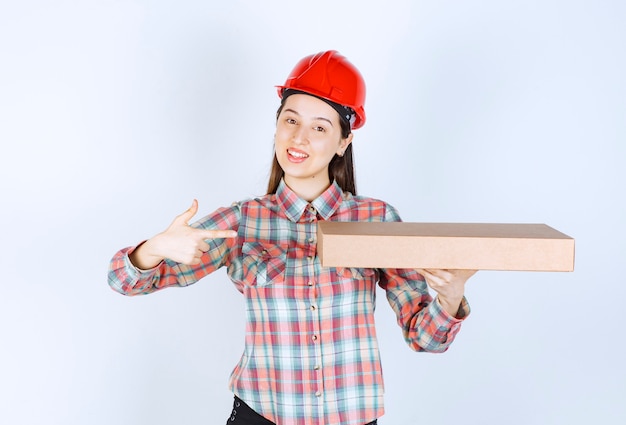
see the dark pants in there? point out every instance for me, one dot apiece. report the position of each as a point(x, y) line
point(243, 415)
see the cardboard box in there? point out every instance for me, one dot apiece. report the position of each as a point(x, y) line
point(475, 246)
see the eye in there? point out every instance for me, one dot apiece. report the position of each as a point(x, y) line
point(320, 129)
point(290, 121)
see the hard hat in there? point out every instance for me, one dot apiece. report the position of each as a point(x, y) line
point(330, 76)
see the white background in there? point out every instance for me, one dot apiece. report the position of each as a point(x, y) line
point(114, 115)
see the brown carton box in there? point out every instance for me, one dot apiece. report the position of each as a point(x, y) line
point(475, 246)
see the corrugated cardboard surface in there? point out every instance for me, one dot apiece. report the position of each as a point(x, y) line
point(475, 246)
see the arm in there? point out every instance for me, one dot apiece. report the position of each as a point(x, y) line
point(178, 256)
point(425, 324)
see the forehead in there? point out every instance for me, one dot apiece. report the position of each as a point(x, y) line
point(310, 107)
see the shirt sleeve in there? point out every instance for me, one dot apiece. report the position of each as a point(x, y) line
point(425, 325)
point(125, 278)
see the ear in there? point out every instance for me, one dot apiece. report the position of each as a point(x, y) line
point(344, 143)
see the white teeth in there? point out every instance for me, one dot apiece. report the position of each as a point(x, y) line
point(298, 154)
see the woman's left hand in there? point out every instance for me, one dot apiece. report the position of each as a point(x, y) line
point(449, 285)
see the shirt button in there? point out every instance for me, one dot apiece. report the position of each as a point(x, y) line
point(311, 240)
point(313, 307)
point(314, 337)
point(310, 258)
point(317, 367)
point(310, 283)
point(318, 393)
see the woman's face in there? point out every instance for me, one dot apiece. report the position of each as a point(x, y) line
point(308, 135)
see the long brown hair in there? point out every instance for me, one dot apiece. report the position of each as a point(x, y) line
point(341, 168)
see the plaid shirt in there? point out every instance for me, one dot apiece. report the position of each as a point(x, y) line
point(311, 355)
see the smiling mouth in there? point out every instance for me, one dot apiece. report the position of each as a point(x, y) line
point(297, 154)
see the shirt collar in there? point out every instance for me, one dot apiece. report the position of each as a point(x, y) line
point(326, 204)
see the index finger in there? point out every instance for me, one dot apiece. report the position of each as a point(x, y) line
point(218, 234)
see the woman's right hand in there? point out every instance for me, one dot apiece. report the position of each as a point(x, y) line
point(179, 242)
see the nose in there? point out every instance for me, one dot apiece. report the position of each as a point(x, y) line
point(300, 135)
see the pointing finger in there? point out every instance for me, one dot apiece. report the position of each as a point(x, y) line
point(218, 234)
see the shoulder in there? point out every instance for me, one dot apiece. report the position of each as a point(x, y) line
point(256, 207)
point(230, 216)
point(264, 201)
point(223, 217)
point(370, 209)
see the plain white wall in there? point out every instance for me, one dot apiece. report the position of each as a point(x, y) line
point(114, 115)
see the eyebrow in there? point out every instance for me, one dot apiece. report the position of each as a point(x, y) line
point(316, 118)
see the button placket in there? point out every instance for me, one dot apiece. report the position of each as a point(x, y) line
point(309, 241)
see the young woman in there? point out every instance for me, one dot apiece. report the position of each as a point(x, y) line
point(311, 354)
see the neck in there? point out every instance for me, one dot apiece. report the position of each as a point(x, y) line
point(308, 189)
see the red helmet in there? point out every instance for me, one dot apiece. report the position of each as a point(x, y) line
point(330, 76)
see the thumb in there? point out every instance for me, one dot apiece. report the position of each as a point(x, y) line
point(185, 217)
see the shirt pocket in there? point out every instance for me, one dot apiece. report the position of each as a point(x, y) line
point(356, 272)
point(263, 264)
